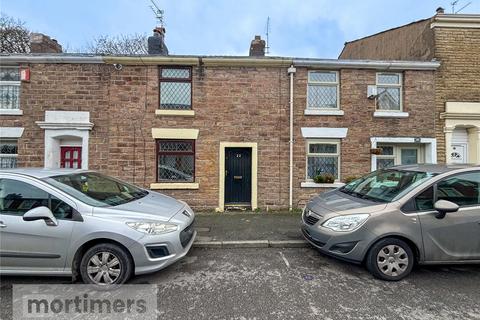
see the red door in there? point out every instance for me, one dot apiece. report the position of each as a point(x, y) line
point(71, 157)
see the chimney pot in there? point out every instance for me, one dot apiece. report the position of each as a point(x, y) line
point(440, 10)
point(257, 47)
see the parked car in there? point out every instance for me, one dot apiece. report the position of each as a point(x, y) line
point(393, 218)
point(70, 222)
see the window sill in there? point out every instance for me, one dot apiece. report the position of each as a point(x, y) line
point(311, 184)
point(390, 114)
point(184, 113)
point(11, 112)
point(317, 112)
point(174, 186)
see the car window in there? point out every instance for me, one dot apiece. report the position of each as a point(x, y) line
point(424, 201)
point(462, 189)
point(17, 197)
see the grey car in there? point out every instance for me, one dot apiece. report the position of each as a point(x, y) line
point(393, 218)
point(76, 222)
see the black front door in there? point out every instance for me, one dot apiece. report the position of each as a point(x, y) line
point(238, 176)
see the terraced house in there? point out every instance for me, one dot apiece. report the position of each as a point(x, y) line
point(453, 40)
point(218, 131)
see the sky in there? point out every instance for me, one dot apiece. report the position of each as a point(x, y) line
point(301, 28)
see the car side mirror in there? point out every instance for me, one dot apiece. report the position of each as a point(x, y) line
point(41, 213)
point(443, 207)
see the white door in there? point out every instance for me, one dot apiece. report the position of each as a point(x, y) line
point(459, 153)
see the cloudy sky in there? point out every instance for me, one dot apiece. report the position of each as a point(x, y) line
point(301, 28)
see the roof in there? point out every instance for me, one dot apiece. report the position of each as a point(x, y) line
point(436, 168)
point(15, 59)
point(40, 173)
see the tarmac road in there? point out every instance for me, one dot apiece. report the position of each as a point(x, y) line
point(273, 283)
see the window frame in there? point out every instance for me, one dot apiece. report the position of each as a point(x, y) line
point(17, 83)
point(179, 80)
point(387, 85)
point(323, 141)
point(335, 84)
point(9, 155)
point(434, 185)
point(397, 152)
point(158, 152)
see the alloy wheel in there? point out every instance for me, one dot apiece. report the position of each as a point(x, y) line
point(392, 260)
point(104, 268)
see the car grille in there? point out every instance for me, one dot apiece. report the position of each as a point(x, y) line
point(186, 235)
point(310, 219)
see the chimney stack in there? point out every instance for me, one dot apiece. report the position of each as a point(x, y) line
point(257, 47)
point(440, 10)
point(156, 43)
point(40, 43)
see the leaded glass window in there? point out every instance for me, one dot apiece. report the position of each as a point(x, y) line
point(322, 90)
point(175, 88)
point(176, 160)
point(387, 158)
point(8, 153)
point(389, 91)
point(9, 88)
point(323, 158)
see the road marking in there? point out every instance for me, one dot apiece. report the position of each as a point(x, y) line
point(284, 259)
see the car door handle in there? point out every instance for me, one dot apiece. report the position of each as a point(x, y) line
point(2, 225)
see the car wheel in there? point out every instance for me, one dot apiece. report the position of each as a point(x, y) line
point(390, 259)
point(106, 264)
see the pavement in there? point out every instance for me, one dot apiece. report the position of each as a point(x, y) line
point(295, 283)
point(249, 230)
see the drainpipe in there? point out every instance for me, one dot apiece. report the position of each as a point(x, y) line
point(291, 71)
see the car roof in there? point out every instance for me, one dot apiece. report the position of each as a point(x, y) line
point(40, 173)
point(435, 168)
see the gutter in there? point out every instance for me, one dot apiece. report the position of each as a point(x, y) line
point(367, 64)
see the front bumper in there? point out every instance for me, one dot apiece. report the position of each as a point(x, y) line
point(348, 246)
point(176, 244)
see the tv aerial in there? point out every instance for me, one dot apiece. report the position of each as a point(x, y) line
point(454, 3)
point(159, 13)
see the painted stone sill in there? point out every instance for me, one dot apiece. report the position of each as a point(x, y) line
point(311, 184)
point(11, 112)
point(390, 114)
point(183, 113)
point(316, 112)
point(175, 186)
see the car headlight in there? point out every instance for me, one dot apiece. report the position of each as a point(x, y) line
point(153, 227)
point(346, 223)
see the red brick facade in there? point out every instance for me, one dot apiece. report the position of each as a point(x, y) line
point(232, 104)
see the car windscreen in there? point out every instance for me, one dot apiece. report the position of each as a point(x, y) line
point(385, 185)
point(96, 189)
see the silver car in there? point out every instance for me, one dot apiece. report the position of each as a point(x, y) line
point(76, 222)
point(393, 218)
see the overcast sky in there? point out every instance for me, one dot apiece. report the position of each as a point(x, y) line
point(301, 28)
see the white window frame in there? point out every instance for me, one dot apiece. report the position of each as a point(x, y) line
point(16, 111)
point(9, 155)
point(382, 85)
point(397, 153)
point(323, 141)
point(335, 84)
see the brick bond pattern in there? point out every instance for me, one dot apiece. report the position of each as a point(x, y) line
point(235, 104)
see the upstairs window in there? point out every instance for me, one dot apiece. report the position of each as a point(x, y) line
point(175, 88)
point(323, 157)
point(176, 160)
point(389, 92)
point(9, 88)
point(322, 90)
point(8, 153)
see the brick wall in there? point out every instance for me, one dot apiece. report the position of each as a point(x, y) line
point(232, 104)
point(414, 41)
point(458, 78)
